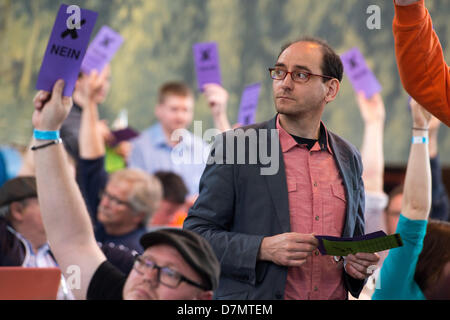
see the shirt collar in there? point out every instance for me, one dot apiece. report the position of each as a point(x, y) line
point(159, 139)
point(288, 142)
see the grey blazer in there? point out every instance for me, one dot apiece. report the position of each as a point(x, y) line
point(237, 207)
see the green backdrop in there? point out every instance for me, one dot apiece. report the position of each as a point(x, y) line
point(158, 47)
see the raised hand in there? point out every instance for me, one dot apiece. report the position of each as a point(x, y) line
point(217, 98)
point(51, 109)
point(89, 87)
point(372, 109)
point(421, 117)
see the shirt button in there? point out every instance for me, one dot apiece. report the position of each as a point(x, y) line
point(315, 288)
point(317, 218)
point(316, 253)
point(315, 184)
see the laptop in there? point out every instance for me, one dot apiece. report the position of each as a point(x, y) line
point(19, 283)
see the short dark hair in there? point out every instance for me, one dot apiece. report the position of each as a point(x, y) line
point(174, 89)
point(331, 62)
point(435, 254)
point(174, 189)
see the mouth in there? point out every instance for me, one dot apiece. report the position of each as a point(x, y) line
point(285, 98)
point(143, 294)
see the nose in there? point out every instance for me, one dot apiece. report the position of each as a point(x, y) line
point(105, 201)
point(151, 276)
point(287, 83)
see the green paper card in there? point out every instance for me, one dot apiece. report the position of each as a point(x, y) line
point(370, 243)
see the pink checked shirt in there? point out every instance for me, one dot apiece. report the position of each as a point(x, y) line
point(317, 205)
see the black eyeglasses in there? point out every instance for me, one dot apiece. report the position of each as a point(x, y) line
point(114, 199)
point(297, 76)
point(165, 275)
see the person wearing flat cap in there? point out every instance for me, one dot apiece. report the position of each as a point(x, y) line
point(176, 264)
point(21, 230)
point(23, 241)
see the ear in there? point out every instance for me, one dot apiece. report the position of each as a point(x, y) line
point(332, 90)
point(16, 210)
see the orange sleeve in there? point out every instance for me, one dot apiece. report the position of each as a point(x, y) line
point(423, 70)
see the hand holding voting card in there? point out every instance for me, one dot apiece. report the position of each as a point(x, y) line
point(249, 104)
point(370, 243)
point(361, 77)
point(66, 49)
point(206, 59)
point(101, 50)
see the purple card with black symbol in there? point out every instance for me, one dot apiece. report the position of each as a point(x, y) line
point(207, 66)
point(101, 50)
point(361, 77)
point(249, 104)
point(65, 50)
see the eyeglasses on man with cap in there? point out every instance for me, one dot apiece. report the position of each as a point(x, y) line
point(164, 275)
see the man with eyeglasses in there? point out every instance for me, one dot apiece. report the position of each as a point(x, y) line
point(175, 264)
point(119, 204)
point(262, 227)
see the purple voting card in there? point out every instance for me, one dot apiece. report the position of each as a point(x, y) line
point(101, 50)
point(361, 77)
point(206, 58)
point(249, 104)
point(65, 50)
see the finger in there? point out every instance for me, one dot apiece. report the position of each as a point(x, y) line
point(306, 238)
point(37, 100)
point(357, 261)
point(57, 90)
point(295, 263)
point(67, 102)
point(301, 247)
point(359, 267)
point(354, 273)
point(41, 96)
point(298, 255)
point(370, 257)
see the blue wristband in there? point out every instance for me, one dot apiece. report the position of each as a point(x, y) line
point(419, 140)
point(45, 135)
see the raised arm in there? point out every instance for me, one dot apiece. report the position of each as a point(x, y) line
point(66, 221)
point(91, 141)
point(217, 98)
point(423, 70)
point(373, 113)
point(416, 203)
point(439, 202)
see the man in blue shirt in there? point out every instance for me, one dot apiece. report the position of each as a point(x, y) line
point(167, 145)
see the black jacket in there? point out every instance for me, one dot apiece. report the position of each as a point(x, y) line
point(238, 207)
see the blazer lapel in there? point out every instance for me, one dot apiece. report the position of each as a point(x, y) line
point(344, 166)
point(277, 185)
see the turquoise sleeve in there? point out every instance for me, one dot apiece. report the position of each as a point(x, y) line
point(396, 281)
